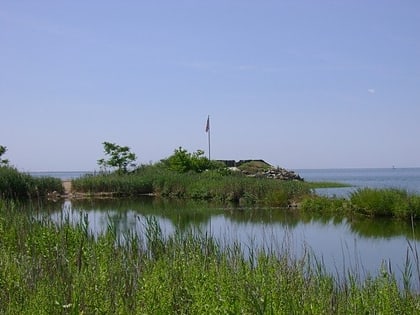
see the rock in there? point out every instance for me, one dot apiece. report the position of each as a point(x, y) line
point(260, 168)
point(281, 174)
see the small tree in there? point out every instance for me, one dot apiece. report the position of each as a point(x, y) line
point(3, 162)
point(120, 157)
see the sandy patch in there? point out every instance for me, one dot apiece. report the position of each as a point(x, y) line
point(67, 186)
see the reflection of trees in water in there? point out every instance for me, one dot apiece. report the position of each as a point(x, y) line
point(123, 214)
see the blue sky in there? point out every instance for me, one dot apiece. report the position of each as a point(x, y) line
point(301, 84)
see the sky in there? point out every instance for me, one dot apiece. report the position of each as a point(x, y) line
point(300, 84)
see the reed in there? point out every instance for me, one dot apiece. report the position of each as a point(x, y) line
point(18, 185)
point(386, 202)
point(210, 185)
point(50, 269)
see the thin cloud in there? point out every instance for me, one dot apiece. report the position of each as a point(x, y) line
point(371, 91)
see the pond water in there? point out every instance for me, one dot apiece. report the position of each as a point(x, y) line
point(361, 245)
point(358, 244)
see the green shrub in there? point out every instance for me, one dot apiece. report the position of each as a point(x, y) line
point(182, 161)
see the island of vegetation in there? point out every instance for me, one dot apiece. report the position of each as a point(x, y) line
point(186, 175)
point(50, 268)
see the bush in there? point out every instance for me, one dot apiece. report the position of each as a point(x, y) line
point(183, 161)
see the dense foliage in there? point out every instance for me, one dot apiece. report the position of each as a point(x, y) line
point(49, 269)
point(18, 185)
point(182, 161)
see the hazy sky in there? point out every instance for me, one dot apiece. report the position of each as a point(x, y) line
point(301, 84)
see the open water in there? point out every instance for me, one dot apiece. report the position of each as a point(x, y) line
point(401, 178)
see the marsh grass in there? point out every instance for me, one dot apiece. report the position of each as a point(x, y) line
point(18, 185)
point(51, 269)
point(386, 202)
point(210, 185)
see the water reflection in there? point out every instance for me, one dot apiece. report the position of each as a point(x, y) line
point(183, 215)
point(355, 243)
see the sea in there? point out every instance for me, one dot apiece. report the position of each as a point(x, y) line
point(62, 175)
point(357, 178)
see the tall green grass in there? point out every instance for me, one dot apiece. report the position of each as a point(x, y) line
point(18, 185)
point(389, 202)
point(211, 185)
point(50, 269)
point(386, 202)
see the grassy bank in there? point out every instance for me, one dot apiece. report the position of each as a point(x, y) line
point(249, 191)
point(388, 202)
point(18, 185)
point(47, 269)
point(211, 185)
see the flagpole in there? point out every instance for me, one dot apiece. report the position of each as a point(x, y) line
point(208, 132)
point(209, 144)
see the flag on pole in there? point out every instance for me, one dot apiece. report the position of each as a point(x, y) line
point(208, 124)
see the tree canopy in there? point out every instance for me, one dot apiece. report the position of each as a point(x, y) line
point(3, 162)
point(119, 157)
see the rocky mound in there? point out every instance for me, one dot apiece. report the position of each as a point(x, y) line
point(260, 168)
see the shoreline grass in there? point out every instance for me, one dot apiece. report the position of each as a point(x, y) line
point(17, 185)
point(386, 202)
point(210, 185)
point(50, 269)
point(218, 186)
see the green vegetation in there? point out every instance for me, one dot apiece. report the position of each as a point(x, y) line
point(254, 167)
point(120, 157)
point(210, 185)
point(192, 176)
point(49, 269)
point(182, 161)
point(17, 185)
point(386, 202)
point(395, 203)
point(3, 162)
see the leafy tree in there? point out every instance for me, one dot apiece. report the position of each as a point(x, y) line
point(183, 161)
point(3, 162)
point(120, 157)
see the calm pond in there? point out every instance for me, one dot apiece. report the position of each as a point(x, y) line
point(359, 245)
